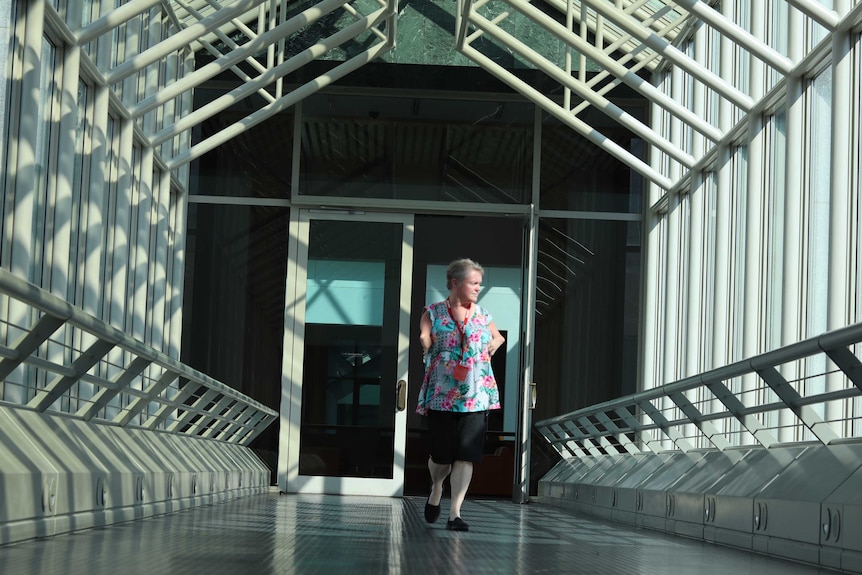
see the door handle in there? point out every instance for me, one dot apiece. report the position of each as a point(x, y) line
point(401, 395)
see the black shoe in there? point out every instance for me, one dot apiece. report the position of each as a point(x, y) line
point(457, 524)
point(432, 512)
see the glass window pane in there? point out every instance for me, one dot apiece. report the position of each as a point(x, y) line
point(587, 313)
point(350, 349)
point(578, 175)
point(256, 163)
point(47, 100)
point(233, 307)
point(820, 179)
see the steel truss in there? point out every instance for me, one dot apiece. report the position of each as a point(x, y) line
point(630, 41)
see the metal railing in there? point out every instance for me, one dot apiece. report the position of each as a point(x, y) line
point(61, 359)
point(810, 391)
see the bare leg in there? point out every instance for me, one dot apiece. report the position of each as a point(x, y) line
point(438, 475)
point(462, 473)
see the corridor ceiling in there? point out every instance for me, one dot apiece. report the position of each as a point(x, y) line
point(628, 42)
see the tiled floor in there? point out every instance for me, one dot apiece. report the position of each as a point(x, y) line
point(293, 534)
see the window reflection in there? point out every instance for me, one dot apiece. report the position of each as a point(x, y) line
point(586, 313)
point(233, 308)
point(578, 175)
point(256, 163)
point(416, 149)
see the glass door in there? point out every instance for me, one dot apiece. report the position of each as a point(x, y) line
point(347, 320)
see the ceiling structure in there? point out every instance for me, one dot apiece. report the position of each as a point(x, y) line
point(261, 42)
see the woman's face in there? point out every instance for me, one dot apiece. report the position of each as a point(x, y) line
point(467, 290)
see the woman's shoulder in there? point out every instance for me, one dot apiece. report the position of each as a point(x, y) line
point(484, 313)
point(436, 309)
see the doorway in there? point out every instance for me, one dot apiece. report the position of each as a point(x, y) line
point(346, 346)
point(357, 286)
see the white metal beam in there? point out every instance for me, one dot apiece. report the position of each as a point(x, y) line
point(618, 70)
point(279, 105)
point(243, 52)
point(566, 117)
point(599, 102)
point(818, 12)
point(668, 52)
point(241, 92)
point(178, 40)
point(112, 19)
point(619, 39)
point(739, 35)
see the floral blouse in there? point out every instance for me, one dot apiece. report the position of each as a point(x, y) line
point(440, 391)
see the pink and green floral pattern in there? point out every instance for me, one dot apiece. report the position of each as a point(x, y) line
point(440, 391)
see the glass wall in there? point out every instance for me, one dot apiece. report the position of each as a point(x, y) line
point(416, 148)
point(578, 175)
point(474, 153)
point(254, 164)
point(233, 320)
point(91, 213)
point(587, 293)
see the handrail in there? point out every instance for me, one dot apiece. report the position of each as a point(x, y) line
point(760, 405)
point(149, 390)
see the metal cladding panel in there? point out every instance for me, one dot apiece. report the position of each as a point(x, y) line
point(251, 472)
point(654, 503)
point(652, 522)
point(647, 464)
point(118, 490)
point(790, 506)
point(78, 470)
point(551, 489)
point(603, 465)
point(707, 472)
point(616, 468)
point(624, 516)
point(198, 483)
point(673, 469)
point(584, 493)
point(841, 515)
point(65, 474)
point(754, 470)
point(30, 479)
point(686, 529)
point(731, 513)
point(830, 557)
point(729, 537)
point(851, 528)
point(688, 507)
point(151, 486)
point(569, 470)
point(626, 500)
point(851, 561)
point(800, 551)
point(815, 473)
point(559, 481)
point(787, 519)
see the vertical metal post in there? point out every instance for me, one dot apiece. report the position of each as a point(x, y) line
point(842, 201)
point(521, 483)
point(794, 197)
point(752, 311)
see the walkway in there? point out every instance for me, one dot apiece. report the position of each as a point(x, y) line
point(300, 534)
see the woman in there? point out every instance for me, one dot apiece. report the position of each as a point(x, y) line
point(458, 339)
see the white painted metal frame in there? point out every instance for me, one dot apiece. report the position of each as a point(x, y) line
point(175, 398)
point(664, 418)
point(289, 478)
point(741, 255)
point(113, 108)
point(624, 38)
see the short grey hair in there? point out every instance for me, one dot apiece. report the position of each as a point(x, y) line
point(459, 269)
